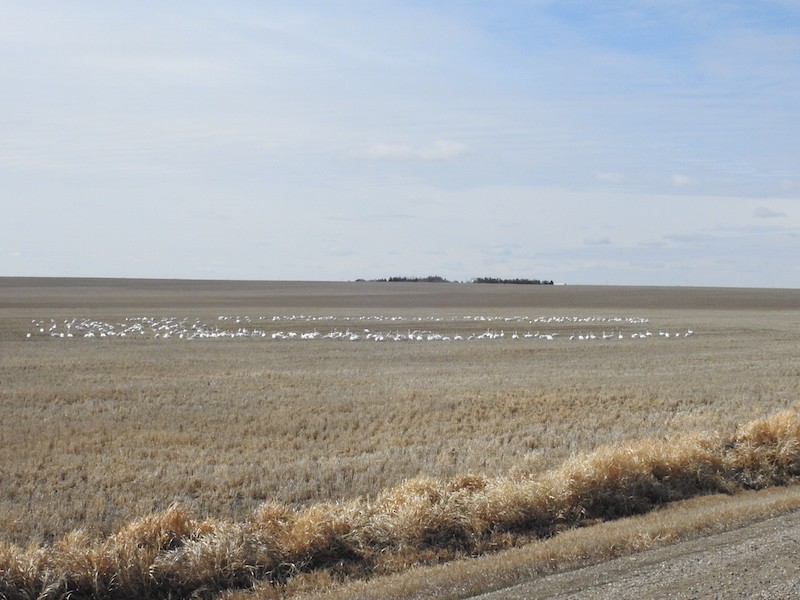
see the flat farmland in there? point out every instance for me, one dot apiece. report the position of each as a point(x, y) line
point(121, 398)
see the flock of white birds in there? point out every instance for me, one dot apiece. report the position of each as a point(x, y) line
point(353, 329)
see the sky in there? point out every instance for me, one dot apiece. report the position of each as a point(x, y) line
point(620, 142)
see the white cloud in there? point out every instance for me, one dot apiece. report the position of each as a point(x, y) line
point(610, 177)
point(762, 212)
point(680, 180)
point(689, 238)
point(438, 150)
point(603, 241)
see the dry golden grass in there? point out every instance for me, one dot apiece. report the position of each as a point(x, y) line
point(575, 548)
point(334, 459)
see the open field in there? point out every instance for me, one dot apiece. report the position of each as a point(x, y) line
point(296, 401)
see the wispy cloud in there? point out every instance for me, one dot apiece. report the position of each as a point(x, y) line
point(762, 212)
point(610, 177)
point(689, 238)
point(438, 150)
point(161, 69)
point(603, 241)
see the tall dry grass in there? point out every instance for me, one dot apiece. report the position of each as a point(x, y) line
point(422, 521)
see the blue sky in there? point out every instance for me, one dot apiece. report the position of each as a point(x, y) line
point(652, 143)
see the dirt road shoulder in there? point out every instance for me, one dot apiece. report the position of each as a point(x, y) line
point(758, 561)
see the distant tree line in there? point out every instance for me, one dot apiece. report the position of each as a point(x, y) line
point(428, 279)
point(516, 281)
point(439, 279)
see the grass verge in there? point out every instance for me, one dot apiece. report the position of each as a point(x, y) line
point(573, 549)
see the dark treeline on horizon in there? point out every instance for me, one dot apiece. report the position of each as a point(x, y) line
point(516, 281)
point(428, 279)
point(439, 279)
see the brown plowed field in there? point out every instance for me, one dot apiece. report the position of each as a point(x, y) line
point(83, 294)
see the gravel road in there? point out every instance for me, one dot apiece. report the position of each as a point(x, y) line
point(758, 561)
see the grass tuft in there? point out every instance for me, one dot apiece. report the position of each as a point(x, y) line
point(766, 452)
point(18, 573)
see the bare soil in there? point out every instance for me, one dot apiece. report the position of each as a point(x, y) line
point(757, 561)
point(76, 294)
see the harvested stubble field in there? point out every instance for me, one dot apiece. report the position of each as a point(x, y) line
point(141, 466)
